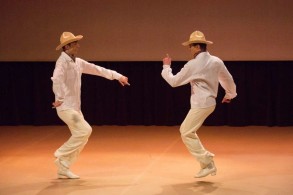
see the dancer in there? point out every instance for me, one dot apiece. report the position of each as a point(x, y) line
point(67, 89)
point(204, 73)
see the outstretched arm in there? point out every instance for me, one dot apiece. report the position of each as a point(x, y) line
point(90, 68)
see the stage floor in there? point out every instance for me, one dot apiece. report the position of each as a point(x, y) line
point(148, 160)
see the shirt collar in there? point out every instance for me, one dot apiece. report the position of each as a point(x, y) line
point(202, 53)
point(66, 56)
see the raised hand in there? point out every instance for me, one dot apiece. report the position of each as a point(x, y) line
point(167, 60)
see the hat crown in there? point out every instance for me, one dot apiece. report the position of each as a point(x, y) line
point(66, 36)
point(197, 36)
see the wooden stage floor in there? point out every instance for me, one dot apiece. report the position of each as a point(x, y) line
point(148, 160)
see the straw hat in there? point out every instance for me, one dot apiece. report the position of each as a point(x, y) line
point(66, 38)
point(196, 37)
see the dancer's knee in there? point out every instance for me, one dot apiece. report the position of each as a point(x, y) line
point(88, 131)
point(85, 132)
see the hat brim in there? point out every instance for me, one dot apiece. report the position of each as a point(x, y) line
point(78, 37)
point(190, 42)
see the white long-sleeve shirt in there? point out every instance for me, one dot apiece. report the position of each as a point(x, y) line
point(204, 73)
point(67, 79)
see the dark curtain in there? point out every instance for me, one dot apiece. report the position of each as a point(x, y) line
point(265, 95)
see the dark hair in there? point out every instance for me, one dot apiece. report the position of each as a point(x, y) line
point(64, 49)
point(68, 44)
point(202, 46)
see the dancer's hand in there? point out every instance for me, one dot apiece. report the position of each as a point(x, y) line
point(57, 103)
point(167, 60)
point(226, 100)
point(124, 81)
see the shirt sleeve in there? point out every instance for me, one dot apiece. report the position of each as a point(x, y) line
point(227, 82)
point(181, 78)
point(90, 68)
point(58, 79)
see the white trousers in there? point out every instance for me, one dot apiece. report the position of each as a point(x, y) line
point(192, 122)
point(80, 132)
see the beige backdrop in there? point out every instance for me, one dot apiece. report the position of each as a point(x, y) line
point(145, 30)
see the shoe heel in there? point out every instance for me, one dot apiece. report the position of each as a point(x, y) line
point(61, 176)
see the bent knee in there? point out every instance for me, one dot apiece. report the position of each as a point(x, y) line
point(89, 131)
point(185, 135)
point(86, 131)
point(184, 132)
